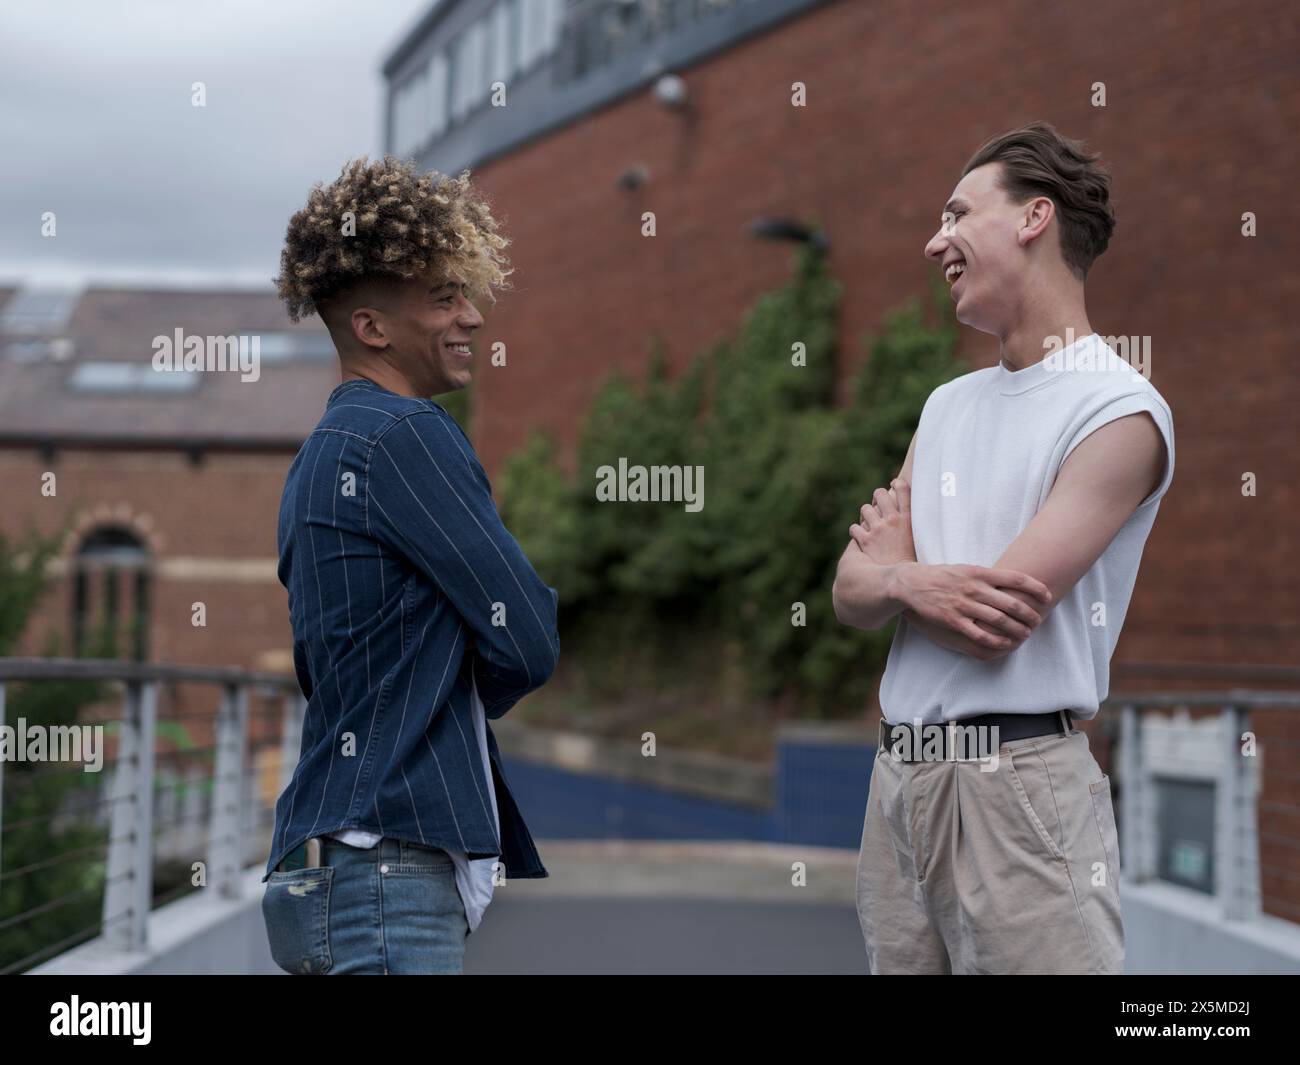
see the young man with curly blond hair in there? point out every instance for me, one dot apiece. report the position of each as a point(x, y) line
point(1010, 552)
point(416, 617)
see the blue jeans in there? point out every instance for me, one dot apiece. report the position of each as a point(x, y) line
point(393, 908)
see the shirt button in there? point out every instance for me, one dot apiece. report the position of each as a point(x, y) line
point(383, 868)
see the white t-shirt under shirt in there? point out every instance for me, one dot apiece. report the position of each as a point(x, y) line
point(988, 448)
point(473, 878)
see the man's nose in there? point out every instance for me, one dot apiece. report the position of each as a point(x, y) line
point(938, 245)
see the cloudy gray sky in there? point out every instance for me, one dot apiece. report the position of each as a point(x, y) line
point(97, 126)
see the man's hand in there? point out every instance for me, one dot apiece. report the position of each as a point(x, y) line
point(1098, 487)
point(997, 647)
point(885, 535)
point(962, 608)
point(969, 609)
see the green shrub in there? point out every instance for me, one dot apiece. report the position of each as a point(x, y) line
point(785, 471)
point(35, 794)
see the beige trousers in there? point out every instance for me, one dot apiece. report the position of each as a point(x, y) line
point(1010, 871)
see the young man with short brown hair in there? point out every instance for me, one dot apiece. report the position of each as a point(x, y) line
point(1009, 544)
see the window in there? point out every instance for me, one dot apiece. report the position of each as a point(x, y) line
point(124, 378)
point(504, 52)
point(468, 84)
point(513, 35)
point(38, 311)
point(489, 24)
point(437, 95)
point(110, 594)
point(410, 125)
point(540, 29)
point(38, 349)
point(1185, 833)
point(289, 347)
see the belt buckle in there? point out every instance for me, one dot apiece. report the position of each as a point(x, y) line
point(886, 740)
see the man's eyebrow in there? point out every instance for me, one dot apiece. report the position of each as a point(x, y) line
point(955, 204)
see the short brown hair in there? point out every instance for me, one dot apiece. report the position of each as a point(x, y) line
point(405, 225)
point(1037, 161)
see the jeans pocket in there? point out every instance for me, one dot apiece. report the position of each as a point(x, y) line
point(419, 858)
point(296, 909)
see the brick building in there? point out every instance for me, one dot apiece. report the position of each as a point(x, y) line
point(1196, 130)
point(684, 108)
point(168, 484)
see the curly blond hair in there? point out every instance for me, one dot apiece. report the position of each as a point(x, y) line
point(404, 225)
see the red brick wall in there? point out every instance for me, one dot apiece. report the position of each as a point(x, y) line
point(1199, 127)
point(223, 510)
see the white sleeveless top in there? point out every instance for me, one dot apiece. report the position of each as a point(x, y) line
point(988, 448)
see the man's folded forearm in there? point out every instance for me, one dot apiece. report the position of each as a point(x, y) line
point(865, 593)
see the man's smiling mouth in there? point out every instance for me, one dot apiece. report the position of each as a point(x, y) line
point(954, 270)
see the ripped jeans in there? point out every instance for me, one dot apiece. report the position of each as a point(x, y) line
point(391, 909)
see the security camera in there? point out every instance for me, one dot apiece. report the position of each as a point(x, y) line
point(670, 90)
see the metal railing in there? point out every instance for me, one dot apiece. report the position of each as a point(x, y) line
point(132, 831)
point(130, 859)
point(595, 33)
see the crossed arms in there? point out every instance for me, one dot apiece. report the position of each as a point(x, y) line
point(428, 498)
point(989, 612)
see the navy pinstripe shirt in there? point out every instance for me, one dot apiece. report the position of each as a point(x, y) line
point(404, 590)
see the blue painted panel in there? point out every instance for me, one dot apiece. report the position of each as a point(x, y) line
point(821, 793)
point(820, 799)
point(558, 804)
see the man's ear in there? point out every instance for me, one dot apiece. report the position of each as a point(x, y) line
point(1039, 213)
point(369, 327)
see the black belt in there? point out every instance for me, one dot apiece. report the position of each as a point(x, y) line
point(950, 740)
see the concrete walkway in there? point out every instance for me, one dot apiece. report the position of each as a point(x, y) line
point(617, 907)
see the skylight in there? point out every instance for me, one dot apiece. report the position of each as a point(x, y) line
point(124, 378)
point(38, 310)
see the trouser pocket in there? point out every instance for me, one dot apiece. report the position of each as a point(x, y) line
point(1103, 811)
point(296, 907)
point(1031, 784)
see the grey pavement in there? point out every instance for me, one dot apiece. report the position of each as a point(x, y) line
point(617, 907)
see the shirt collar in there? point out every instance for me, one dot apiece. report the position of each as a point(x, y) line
point(348, 385)
point(1052, 367)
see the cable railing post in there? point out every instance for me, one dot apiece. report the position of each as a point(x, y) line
point(226, 833)
point(1135, 841)
point(290, 736)
point(1225, 809)
point(2, 780)
point(129, 893)
point(1236, 835)
point(1248, 775)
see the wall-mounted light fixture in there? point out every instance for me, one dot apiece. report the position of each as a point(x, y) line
point(671, 92)
point(634, 177)
point(789, 229)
